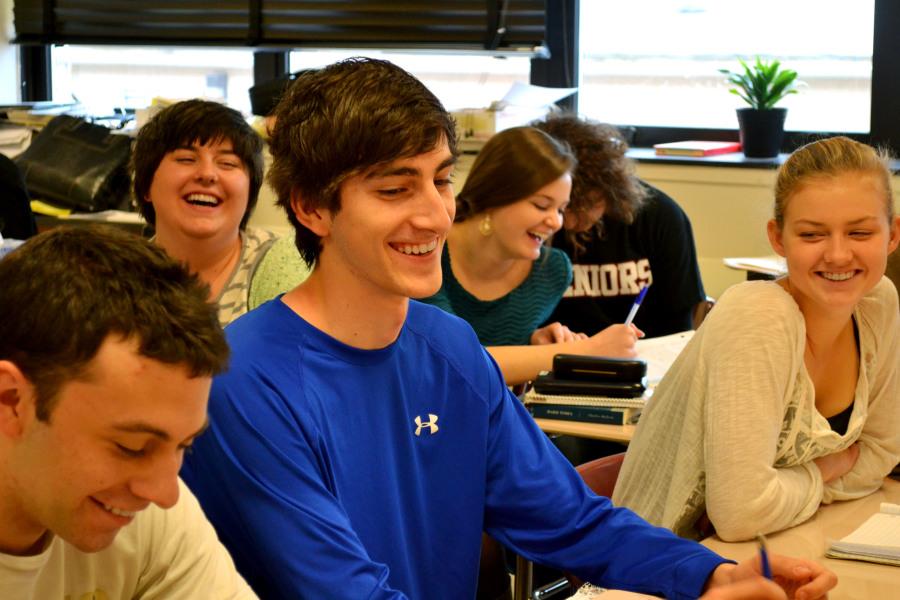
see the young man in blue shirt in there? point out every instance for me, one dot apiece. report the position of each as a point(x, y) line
point(361, 442)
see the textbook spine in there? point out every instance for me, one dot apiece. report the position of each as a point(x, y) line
point(589, 414)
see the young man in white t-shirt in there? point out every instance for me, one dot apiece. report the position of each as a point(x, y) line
point(107, 349)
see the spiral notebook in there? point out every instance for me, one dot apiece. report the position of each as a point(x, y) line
point(877, 540)
point(533, 397)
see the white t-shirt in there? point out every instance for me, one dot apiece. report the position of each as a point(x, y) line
point(172, 554)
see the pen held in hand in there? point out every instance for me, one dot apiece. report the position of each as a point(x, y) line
point(637, 304)
point(764, 556)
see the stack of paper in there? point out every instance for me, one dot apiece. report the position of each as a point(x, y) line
point(14, 139)
point(661, 352)
point(877, 540)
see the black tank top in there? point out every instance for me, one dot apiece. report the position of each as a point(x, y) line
point(840, 421)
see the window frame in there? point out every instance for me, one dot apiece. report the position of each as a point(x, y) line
point(884, 124)
point(562, 41)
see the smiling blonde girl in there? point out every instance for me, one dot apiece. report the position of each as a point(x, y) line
point(787, 397)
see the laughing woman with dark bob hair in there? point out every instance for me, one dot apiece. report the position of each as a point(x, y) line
point(198, 169)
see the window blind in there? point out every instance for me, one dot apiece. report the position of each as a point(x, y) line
point(449, 24)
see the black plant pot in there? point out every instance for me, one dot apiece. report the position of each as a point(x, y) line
point(761, 131)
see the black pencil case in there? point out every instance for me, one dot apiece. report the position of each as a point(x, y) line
point(549, 384)
point(598, 368)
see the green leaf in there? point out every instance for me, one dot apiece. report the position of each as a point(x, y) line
point(762, 83)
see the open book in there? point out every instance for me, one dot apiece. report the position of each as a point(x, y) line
point(877, 540)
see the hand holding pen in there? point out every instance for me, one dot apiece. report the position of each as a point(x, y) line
point(763, 556)
point(770, 576)
point(637, 304)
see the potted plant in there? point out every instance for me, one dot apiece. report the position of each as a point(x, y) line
point(762, 85)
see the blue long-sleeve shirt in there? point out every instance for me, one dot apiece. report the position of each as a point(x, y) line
point(334, 472)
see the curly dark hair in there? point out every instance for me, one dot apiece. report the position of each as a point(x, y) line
point(603, 174)
point(338, 122)
point(187, 122)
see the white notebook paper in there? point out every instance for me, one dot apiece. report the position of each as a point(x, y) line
point(876, 540)
point(661, 352)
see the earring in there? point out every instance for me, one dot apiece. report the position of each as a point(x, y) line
point(485, 227)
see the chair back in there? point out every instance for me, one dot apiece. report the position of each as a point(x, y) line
point(16, 219)
point(893, 268)
point(701, 309)
point(600, 474)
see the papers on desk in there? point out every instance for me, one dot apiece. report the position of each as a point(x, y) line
point(14, 140)
point(661, 352)
point(109, 216)
point(8, 245)
point(877, 540)
point(532, 397)
point(589, 592)
point(766, 265)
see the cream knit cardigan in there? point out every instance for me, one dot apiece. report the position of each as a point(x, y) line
point(733, 427)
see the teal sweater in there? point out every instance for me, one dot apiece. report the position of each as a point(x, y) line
point(510, 320)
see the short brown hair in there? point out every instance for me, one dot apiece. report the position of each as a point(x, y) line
point(65, 291)
point(339, 121)
point(185, 123)
point(826, 158)
point(512, 165)
point(604, 174)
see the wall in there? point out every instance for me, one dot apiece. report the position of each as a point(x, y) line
point(728, 208)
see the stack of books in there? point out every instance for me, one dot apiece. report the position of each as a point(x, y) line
point(696, 148)
point(590, 409)
point(604, 390)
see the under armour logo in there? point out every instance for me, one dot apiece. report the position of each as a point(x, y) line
point(431, 424)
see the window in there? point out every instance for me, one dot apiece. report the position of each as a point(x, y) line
point(9, 64)
point(458, 80)
point(107, 77)
point(661, 69)
point(8, 75)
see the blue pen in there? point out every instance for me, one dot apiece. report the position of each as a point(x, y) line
point(764, 556)
point(637, 304)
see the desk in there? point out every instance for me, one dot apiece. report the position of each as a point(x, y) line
point(856, 580)
point(131, 222)
point(595, 431)
point(758, 267)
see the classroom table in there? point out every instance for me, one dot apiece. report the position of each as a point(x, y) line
point(856, 580)
point(758, 267)
point(596, 431)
